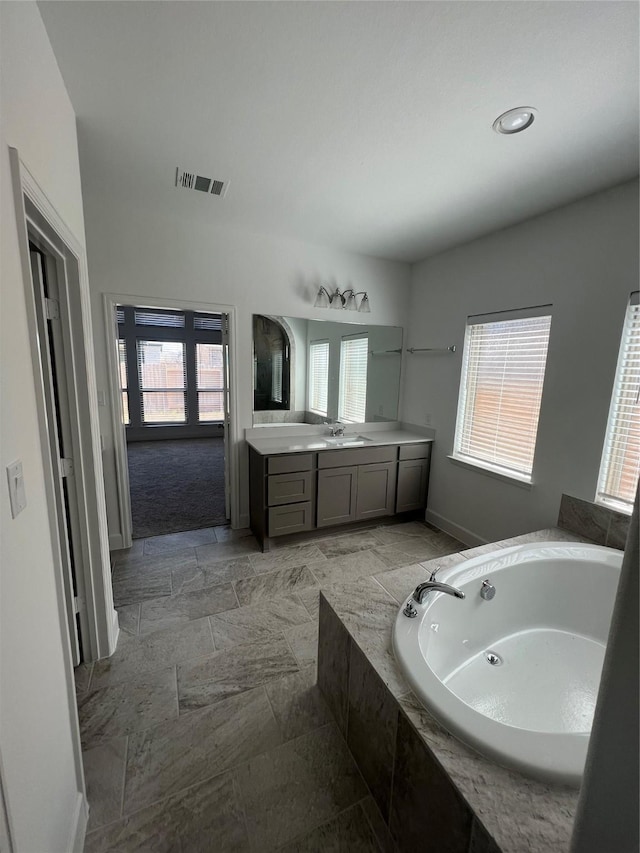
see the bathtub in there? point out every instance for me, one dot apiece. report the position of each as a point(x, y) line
point(516, 677)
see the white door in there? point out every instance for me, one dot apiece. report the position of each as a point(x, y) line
point(54, 372)
point(227, 418)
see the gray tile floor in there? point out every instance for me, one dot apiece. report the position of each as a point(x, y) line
point(205, 730)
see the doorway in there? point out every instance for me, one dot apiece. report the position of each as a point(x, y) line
point(55, 364)
point(173, 381)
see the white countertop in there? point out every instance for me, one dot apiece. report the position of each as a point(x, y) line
point(308, 443)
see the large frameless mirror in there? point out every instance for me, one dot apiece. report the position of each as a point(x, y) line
point(312, 371)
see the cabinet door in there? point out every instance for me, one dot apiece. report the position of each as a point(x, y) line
point(337, 489)
point(413, 478)
point(376, 490)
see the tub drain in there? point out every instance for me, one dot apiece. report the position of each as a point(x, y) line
point(493, 658)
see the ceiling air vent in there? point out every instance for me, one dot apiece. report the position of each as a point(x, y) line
point(191, 181)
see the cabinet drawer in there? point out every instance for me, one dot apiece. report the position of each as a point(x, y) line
point(415, 451)
point(288, 464)
point(357, 456)
point(292, 518)
point(289, 488)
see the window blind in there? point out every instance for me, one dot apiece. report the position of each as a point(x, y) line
point(163, 381)
point(620, 464)
point(319, 377)
point(152, 317)
point(500, 393)
point(122, 363)
point(352, 398)
point(208, 322)
point(210, 382)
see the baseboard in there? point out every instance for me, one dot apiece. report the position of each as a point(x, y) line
point(79, 824)
point(469, 538)
point(116, 542)
point(115, 633)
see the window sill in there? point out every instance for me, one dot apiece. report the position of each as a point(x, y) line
point(522, 482)
point(615, 506)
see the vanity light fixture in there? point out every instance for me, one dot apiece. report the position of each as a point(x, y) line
point(343, 301)
point(515, 120)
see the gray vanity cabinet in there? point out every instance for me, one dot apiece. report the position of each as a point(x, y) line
point(297, 492)
point(337, 495)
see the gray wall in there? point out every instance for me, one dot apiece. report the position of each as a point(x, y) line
point(583, 259)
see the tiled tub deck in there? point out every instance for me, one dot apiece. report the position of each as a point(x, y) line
point(434, 793)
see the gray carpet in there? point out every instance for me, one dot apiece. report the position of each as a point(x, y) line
point(176, 485)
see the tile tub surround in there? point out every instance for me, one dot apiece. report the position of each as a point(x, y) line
point(164, 766)
point(426, 783)
point(604, 526)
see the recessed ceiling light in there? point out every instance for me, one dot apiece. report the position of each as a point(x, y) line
point(513, 121)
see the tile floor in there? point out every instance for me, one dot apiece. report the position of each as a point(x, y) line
point(205, 730)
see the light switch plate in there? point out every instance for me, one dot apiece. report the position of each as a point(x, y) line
point(17, 494)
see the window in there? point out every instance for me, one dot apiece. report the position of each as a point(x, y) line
point(620, 464)
point(501, 391)
point(162, 378)
point(352, 401)
point(172, 366)
point(210, 382)
point(319, 377)
point(122, 360)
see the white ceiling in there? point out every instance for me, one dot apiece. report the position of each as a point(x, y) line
point(361, 125)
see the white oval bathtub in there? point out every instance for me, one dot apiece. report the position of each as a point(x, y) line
point(545, 631)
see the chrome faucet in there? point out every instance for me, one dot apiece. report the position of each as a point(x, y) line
point(422, 590)
point(336, 430)
point(432, 585)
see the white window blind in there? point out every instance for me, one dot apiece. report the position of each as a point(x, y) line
point(352, 398)
point(620, 464)
point(122, 359)
point(500, 393)
point(277, 363)
point(319, 377)
point(163, 381)
point(210, 382)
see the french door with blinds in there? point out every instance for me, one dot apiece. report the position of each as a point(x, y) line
point(172, 372)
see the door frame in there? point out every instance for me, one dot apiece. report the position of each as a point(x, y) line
point(37, 218)
point(110, 302)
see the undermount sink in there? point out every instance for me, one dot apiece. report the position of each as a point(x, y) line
point(347, 440)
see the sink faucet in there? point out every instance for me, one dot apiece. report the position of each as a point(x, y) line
point(336, 429)
point(432, 585)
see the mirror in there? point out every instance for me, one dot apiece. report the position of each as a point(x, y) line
point(312, 371)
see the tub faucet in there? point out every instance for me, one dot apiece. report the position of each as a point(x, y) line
point(423, 589)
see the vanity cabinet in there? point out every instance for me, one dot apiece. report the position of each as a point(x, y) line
point(297, 492)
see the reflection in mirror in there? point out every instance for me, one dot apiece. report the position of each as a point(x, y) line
point(314, 371)
point(271, 353)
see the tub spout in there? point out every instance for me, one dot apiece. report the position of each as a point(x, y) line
point(422, 590)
